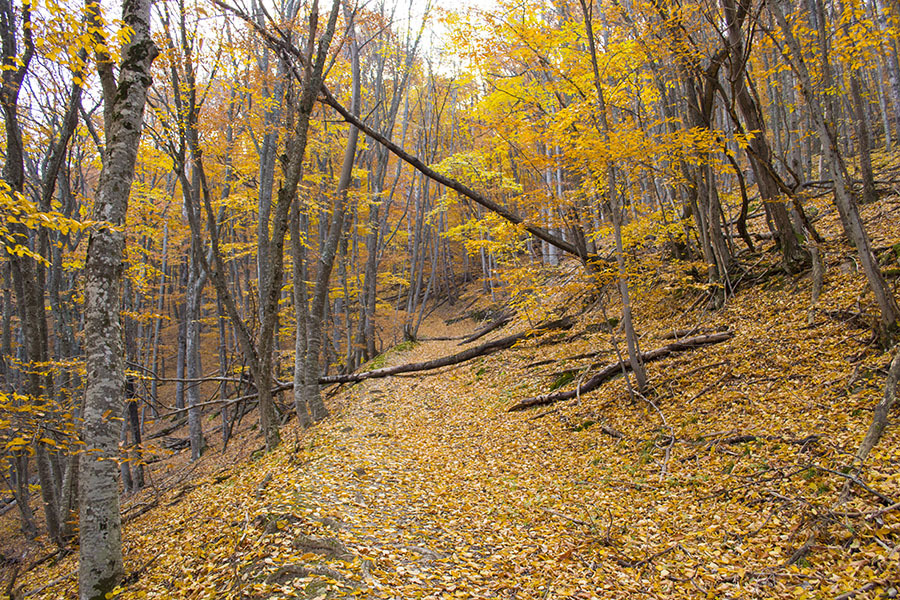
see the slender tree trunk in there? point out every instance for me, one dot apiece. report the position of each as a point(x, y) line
point(49, 493)
point(181, 341)
point(223, 368)
point(314, 327)
point(884, 296)
point(634, 352)
point(157, 323)
point(21, 268)
point(793, 254)
point(134, 423)
point(22, 493)
point(125, 465)
point(299, 223)
point(863, 139)
point(892, 64)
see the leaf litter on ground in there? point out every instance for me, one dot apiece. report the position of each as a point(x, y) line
point(423, 486)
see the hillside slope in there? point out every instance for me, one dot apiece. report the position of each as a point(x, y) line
point(720, 484)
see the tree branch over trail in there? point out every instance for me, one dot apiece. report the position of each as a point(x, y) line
point(446, 361)
point(460, 188)
point(611, 370)
point(283, 43)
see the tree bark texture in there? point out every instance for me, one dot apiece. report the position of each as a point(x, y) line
point(100, 547)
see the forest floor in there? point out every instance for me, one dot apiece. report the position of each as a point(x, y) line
point(722, 484)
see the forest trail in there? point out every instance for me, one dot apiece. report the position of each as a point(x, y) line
point(431, 480)
point(202, 202)
point(448, 495)
point(424, 486)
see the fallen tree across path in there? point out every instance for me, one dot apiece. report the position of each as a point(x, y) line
point(437, 363)
point(504, 318)
point(446, 361)
point(610, 371)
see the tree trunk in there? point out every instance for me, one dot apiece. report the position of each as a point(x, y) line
point(157, 322)
point(792, 252)
point(299, 223)
point(32, 347)
point(863, 140)
point(181, 341)
point(880, 416)
point(22, 493)
point(884, 296)
point(196, 282)
point(631, 340)
point(314, 327)
point(100, 554)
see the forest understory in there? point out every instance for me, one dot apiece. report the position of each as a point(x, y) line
point(723, 481)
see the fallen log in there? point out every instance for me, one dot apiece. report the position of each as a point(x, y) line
point(504, 318)
point(177, 425)
point(446, 361)
point(677, 334)
point(611, 370)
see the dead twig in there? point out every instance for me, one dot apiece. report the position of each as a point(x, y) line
point(868, 516)
point(51, 584)
point(566, 517)
point(857, 592)
point(668, 447)
point(710, 387)
point(544, 414)
point(632, 564)
point(887, 501)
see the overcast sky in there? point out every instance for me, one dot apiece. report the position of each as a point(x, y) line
point(435, 37)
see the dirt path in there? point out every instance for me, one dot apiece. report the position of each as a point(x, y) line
point(440, 489)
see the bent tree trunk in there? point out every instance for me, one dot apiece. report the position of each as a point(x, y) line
point(310, 395)
point(100, 547)
point(260, 356)
point(878, 423)
point(793, 254)
point(882, 410)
